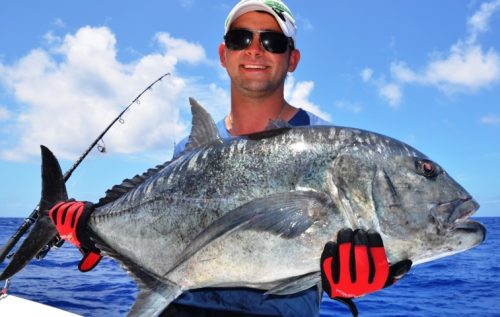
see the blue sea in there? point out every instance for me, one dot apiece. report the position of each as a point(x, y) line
point(466, 284)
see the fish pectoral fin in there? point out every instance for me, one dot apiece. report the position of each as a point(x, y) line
point(154, 295)
point(153, 301)
point(285, 214)
point(295, 285)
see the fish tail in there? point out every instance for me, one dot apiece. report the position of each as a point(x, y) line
point(43, 231)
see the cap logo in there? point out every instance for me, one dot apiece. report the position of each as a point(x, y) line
point(278, 8)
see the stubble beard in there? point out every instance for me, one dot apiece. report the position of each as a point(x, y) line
point(258, 88)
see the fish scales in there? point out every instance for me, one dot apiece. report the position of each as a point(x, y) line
point(190, 208)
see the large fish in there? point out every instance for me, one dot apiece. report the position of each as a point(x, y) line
point(256, 211)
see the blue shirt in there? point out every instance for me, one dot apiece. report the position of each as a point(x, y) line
point(253, 302)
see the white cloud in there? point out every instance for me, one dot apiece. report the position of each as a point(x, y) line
point(466, 68)
point(366, 74)
point(403, 73)
point(67, 94)
point(181, 49)
point(304, 23)
point(74, 90)
point(4, 113)
point(51, 39)
point(479, 21)
point(59, 23)
point(297, 94)
point(491, 120)
point(390, 91)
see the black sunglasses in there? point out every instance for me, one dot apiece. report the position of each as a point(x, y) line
point(274, 42)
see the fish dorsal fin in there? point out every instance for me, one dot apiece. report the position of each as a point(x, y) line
point(203, 131)
point(274, 128)
point(128, 184)
point(278, 124)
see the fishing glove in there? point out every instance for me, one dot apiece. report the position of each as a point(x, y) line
point(357, 265)
point(70, 219)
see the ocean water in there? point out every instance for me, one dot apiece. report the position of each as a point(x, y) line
point(466, 284)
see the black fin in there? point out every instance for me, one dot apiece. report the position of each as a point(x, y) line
point(43, 231)
point(203, 131)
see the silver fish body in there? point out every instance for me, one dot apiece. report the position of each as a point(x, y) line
point(257, 211)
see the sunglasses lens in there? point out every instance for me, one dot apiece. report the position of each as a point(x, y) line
point(238, 39)
point(273, 42)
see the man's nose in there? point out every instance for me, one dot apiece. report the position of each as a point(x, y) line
point(255, 47)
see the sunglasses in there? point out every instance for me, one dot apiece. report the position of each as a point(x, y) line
point(273, 42)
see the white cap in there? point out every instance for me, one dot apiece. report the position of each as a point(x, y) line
point(276, 8)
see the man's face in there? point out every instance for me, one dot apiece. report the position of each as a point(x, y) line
point(255, 71)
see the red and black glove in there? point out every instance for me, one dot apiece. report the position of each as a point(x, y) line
point(357, 265)
point(70, 219)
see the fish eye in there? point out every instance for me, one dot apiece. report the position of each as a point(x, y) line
point(426, 168)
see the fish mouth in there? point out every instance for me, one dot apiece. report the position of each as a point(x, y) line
point(455, 214)
point(472, 227)
point(463, 211)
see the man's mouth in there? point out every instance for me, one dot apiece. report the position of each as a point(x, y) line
point(254, 67)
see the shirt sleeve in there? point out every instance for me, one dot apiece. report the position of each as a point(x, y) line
point(315, 120)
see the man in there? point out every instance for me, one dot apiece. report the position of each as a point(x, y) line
point(257, 64)
point(258, 51)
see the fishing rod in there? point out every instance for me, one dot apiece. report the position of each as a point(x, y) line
point(34, 214)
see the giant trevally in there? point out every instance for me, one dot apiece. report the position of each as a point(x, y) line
point(226, 213)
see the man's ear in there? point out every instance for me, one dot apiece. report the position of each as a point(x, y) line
point(222, 54)
point(293, 61)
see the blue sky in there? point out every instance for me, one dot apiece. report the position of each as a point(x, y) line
point(425, 72)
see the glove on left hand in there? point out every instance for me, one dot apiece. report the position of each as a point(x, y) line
point(70, 219)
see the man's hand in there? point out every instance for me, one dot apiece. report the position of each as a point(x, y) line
point(70, 219)
point(357, 265)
